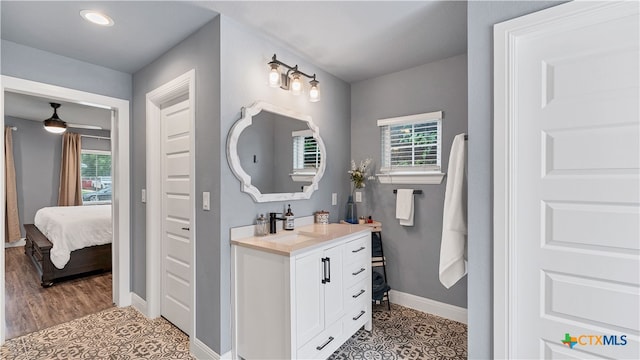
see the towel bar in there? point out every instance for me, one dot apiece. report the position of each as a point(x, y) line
point(395, 191)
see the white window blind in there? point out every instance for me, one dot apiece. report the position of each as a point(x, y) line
point(306, 153)
point(95, 176)
point(411, 143)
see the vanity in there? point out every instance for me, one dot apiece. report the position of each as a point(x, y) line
point(300, 294)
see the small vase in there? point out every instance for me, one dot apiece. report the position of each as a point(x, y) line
point(352, 212)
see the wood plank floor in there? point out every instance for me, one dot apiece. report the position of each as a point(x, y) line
point(30, 307)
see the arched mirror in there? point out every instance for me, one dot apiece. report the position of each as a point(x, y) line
point(276, 153)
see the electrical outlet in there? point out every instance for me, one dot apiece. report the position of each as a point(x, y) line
point(334, 199)
point(358, 196)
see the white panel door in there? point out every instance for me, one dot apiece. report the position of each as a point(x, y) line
point(575, 183)
point(176, 216)
point(334, 287)
point(309, 296)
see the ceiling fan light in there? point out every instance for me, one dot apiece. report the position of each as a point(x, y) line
point(55, 126)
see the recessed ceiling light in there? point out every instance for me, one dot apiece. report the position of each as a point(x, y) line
point(96, 17)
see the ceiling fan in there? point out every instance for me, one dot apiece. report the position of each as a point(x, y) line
point(57, 126)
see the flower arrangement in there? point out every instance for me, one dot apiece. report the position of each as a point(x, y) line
point(358, 173)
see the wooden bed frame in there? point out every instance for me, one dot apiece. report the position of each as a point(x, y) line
point(89, 259)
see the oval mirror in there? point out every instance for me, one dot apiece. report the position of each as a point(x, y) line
point(276, 153)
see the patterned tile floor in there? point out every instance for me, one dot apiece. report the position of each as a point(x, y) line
point(124, 333)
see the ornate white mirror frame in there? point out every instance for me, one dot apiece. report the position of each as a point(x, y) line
point(245, 179)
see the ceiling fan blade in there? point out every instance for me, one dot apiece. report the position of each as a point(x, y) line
point(82, 126)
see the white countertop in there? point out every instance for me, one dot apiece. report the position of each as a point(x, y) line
point(303, 238)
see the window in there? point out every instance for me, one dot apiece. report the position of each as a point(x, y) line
point(306, 156)
point(95, 175)
point(411, 149)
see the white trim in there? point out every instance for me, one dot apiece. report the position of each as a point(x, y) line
point(441, 309)
point(408, 178)
point(506, 38)
point(201, 351)
point(183, 85)
point(18, 243)
point(411, 119)
point(121, 196)
point(139, 303)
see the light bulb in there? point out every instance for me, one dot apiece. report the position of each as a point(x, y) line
point(296, 85)
point(274, 76)
point(314, 91)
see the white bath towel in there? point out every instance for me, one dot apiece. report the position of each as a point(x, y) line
point(404, 207)
point(453, 265)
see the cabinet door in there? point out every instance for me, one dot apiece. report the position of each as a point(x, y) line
point(334, 288)
point(309, 295)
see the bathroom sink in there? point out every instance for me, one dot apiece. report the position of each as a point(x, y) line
point(292, 238)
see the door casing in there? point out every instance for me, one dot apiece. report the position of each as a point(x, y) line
point(121, 247)
point(182, 86)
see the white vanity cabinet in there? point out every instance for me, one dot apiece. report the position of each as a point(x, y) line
point(302, 300)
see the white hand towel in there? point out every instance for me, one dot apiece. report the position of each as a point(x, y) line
point(404, 207)
point(453, 265)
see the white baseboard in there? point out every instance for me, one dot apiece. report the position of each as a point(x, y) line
point(201, 351)
point(447, 311)
point(139, 303)
point(21, 242)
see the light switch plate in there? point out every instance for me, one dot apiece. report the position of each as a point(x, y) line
point(206, 204)
point(358, 196)
point(144, 196)
point(334, 199)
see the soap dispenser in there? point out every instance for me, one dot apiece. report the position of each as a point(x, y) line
point(288, 219)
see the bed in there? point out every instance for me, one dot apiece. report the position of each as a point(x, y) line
point(69, 241)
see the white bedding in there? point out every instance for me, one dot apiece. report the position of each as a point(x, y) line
point(71, 228)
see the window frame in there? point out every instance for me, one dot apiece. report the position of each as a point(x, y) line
point(428, 174)
point(98, 152)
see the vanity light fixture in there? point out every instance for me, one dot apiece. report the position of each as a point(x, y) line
point(292, 79)
point(96, 17)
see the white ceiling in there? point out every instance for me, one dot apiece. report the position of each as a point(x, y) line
point(353, 40)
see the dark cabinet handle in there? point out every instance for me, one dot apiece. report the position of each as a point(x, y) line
point(357, 272)
point(358, 294)
point(324, 270)
point(329, 271)
point(358, 250)
point(359, 315)
point(185, 228)
point(325, 344)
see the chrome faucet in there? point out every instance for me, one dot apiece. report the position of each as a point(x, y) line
point(272, 222)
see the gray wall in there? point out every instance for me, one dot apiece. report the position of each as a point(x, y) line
point(481, 16)
point(244, 57)
point(413, 253)
point(37, 155)
point(33, 64)
point(200, 51)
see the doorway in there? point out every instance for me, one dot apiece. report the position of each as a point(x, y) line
point(121, 200)
point(166, 192)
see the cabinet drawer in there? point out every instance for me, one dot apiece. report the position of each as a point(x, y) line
point(356, 293)
point(357, 271)
point(356, 249)
point(356, 316)
point(324, 344)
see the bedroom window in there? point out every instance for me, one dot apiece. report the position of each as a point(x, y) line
point(306, 156)
point(411, 148)
point(95, 175)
